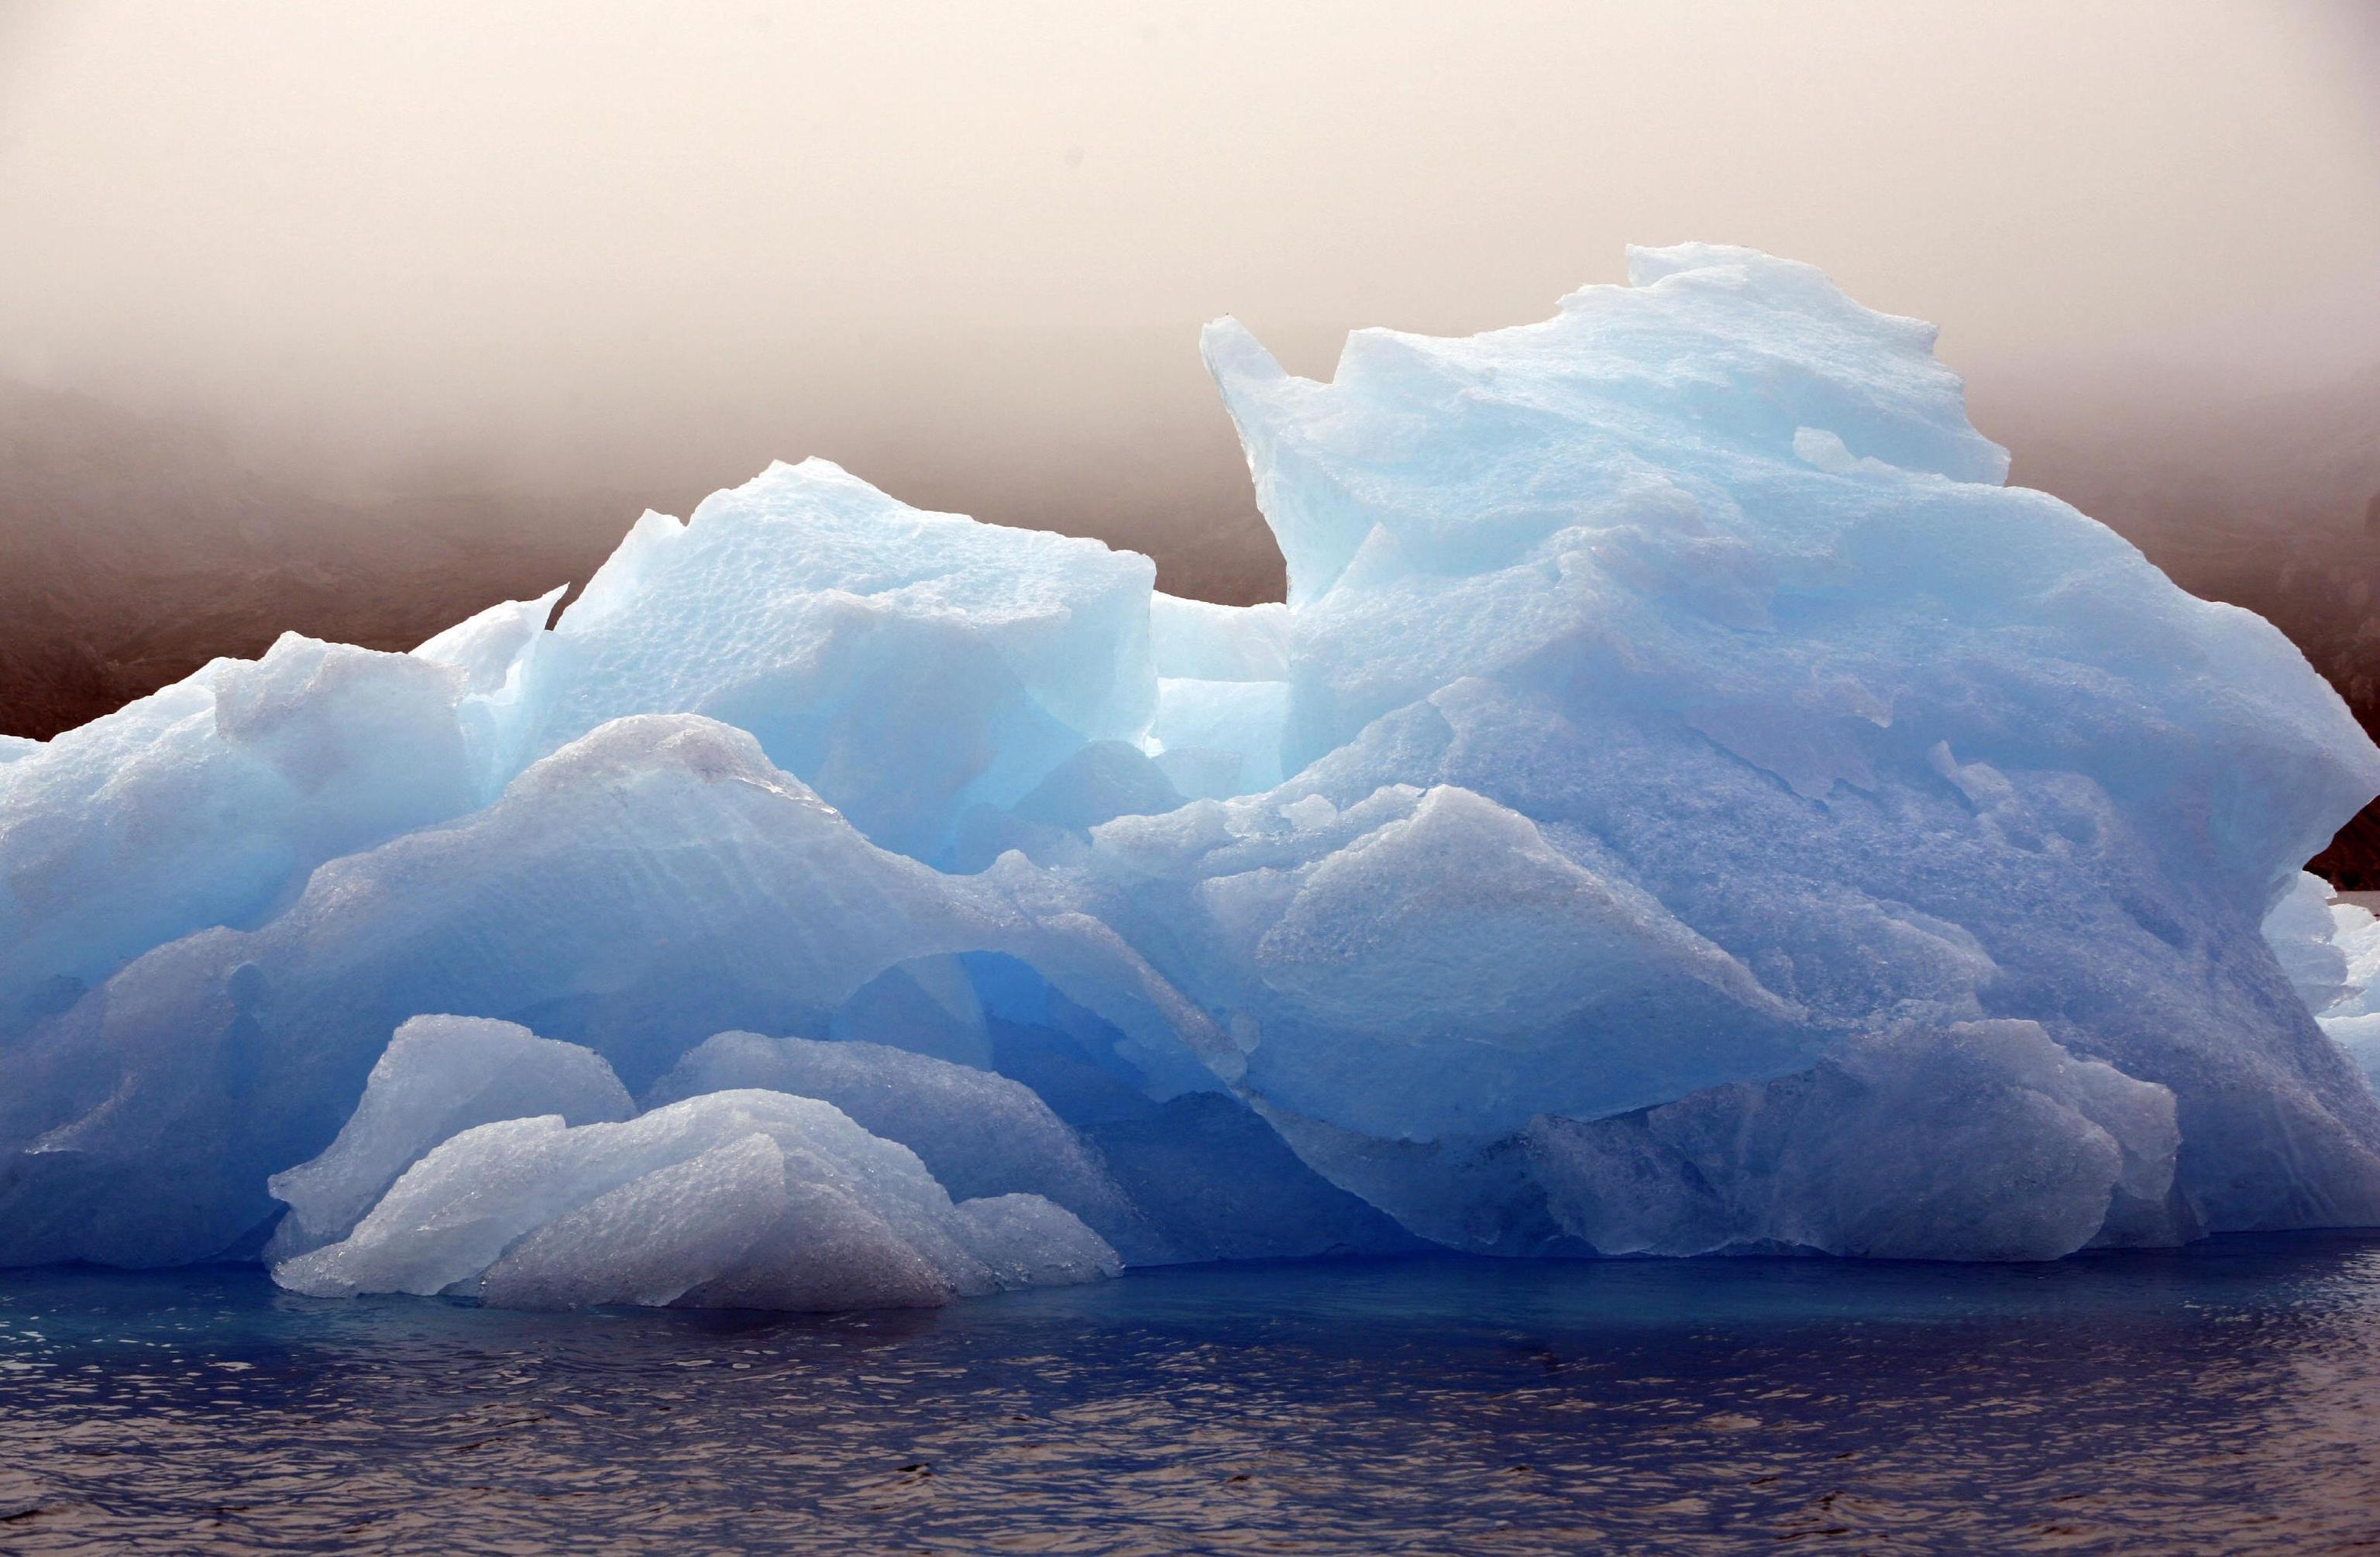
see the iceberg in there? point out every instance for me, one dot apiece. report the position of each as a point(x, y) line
point(1687, 803)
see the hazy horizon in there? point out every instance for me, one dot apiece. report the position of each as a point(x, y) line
point(353, 321)
point(606, 248)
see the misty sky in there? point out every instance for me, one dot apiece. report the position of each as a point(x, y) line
point(966, 248)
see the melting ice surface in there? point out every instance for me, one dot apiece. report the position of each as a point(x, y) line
point(1687, 803)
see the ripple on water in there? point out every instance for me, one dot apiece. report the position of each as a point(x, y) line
point(2215, 1399)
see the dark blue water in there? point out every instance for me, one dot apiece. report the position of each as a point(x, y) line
point(2222, 1398)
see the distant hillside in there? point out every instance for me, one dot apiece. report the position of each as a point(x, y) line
point(133, 551)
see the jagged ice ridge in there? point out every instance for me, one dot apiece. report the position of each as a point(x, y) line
point(1687, 803)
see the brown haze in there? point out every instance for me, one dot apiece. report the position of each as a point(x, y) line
point(352, 318)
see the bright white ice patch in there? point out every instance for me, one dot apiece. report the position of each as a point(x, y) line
point(732, 1199)
point(439, 1077)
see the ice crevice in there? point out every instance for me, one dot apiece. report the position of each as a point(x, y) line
point(1687, 804)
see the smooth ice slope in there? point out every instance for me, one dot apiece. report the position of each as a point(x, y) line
point(1427, 964)
point(732, 1199)
point(1679, 728)
point(1194, 639)
point(439, 1077)
point(1222, 694)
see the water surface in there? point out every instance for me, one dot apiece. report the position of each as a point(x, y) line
point(2220, 1398)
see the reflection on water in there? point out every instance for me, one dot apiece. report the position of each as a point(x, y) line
point(2217, 1399)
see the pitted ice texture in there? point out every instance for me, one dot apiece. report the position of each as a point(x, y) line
point(979, 1133)
point(439, 1077)
point(749, 1200)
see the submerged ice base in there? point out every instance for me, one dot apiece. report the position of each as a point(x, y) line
point(1686, 803)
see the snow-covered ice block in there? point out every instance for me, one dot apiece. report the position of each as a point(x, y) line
point(2331, 953)
point(731, 1228)
point(2334, 965)
point(980, 1134)
point(439, 1077)
point(493, 647)
point(1027, 1240)
point(209, 802)
point(730, 1199)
